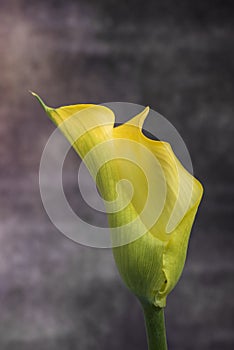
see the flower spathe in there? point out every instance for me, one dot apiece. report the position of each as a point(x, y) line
point(156, 211)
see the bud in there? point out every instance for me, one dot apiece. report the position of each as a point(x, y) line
point(150, 198)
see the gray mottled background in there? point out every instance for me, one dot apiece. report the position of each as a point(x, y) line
point(177, 57)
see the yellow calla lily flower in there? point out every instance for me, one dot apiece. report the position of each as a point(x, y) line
point(150, 219)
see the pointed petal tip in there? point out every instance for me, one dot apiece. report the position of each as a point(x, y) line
point(138, 120)
point(143, 115)
point(147, 109)
point(44, 106)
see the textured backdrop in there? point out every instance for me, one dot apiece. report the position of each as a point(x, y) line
point(177, 57)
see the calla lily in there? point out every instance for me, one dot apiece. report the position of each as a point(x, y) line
point(151, 219)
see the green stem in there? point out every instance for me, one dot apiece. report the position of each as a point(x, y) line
point(155, 327)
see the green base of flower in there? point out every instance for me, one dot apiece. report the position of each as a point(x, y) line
point(155, 326)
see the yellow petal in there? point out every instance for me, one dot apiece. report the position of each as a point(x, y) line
point(164, 255)
point(153, 199)
point(84, 125)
